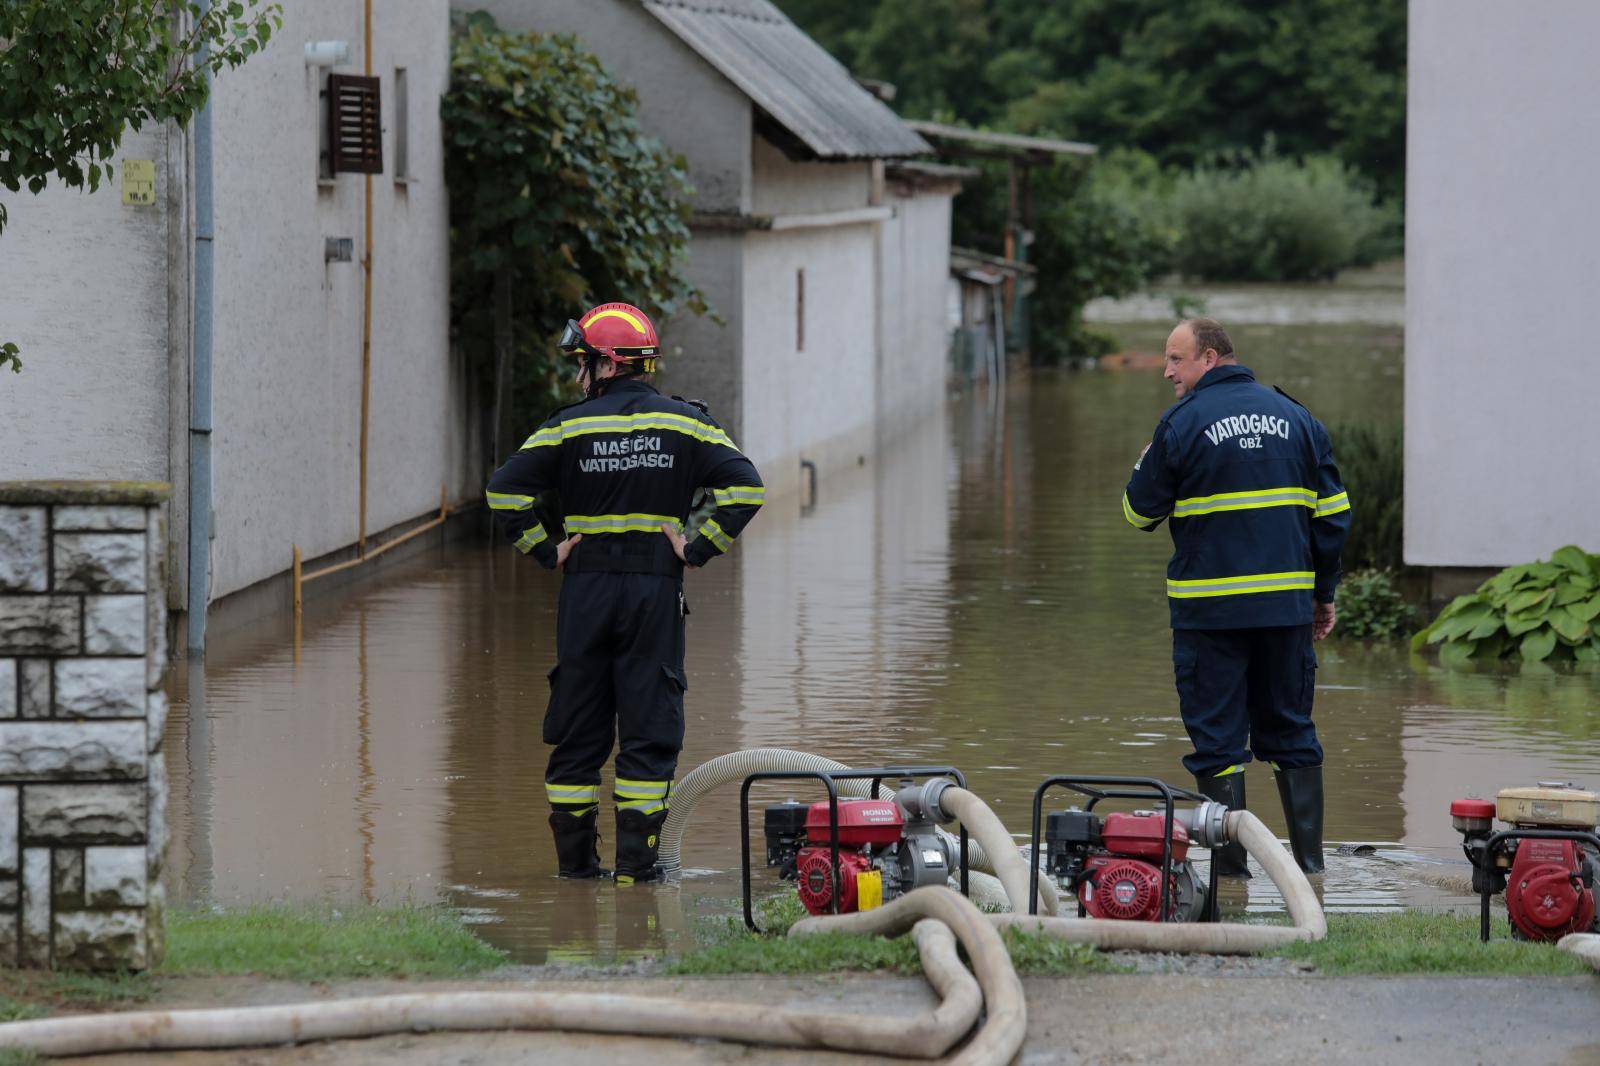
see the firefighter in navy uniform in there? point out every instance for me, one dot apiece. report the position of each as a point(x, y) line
point(624, 467)
point(1244, 477)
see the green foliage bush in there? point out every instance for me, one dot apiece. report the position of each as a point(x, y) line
point(552, 183)
point(1371, 461)
point(1372, 608)
point(1534, 612)
point(1269, 218)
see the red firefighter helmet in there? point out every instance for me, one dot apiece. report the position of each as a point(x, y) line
point(618, 331)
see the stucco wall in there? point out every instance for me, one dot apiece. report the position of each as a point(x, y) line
point(816, 403)
point(914, 358)
point(288, 325)
point(783, 187)
point(83, 293)
point(1502, 256)
point(694, 110)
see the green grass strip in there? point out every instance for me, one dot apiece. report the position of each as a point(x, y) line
point(320, 944)
point(1422, 942)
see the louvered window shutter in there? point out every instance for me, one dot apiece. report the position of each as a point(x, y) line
point(355, 133)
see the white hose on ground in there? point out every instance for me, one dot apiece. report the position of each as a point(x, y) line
point(1215, 938)
point(985, 890)
point(924, 1036)
point(1005, 1006)
point(735, 766)
point(1584, 945)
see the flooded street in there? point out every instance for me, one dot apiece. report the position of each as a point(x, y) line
point(972, 596)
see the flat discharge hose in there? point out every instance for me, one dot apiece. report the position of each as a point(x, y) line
point(735, 766)
point(1584, 945)
point(925, 1036)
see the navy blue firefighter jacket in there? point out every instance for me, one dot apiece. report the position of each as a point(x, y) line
point(1244, 477)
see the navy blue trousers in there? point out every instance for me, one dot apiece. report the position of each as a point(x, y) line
point(1244, 693)
point(619, 670)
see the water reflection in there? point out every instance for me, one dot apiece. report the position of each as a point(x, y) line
point(971, 596)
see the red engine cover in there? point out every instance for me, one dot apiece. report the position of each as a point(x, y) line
point(816, 886)
point(1139, 834)
point(861, 822)
point(1543, 894)
point(1124, 889)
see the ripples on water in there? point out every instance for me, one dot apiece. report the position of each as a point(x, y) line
point(972, 597)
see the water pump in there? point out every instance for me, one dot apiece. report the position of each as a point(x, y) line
point(1546, 861)
point(1113, 865)
point(886, 849)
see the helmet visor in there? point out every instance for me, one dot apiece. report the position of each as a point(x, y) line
point(572, 341)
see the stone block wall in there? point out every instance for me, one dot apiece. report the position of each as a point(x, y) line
point(82, 778)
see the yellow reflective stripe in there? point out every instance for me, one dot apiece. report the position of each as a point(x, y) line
point(1134, 517)
point(577, 427)
point(1236, 768)
point(1328, 505)
point(508, 501)
point(713, 532)
point(626, 789)
point(1241, 584)
point(647, 806)
point(531, 536)
point(755, 494)
point(632, 320)
point(572, 793)
point(620, 523)
point(1288, 496)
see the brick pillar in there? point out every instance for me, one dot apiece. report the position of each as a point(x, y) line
point(83, 789)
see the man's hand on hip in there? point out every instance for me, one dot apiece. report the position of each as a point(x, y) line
point(564, 549)
point(1322, 619)
point(678, 542)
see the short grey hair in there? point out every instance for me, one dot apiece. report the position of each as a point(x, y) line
point(1208, 333)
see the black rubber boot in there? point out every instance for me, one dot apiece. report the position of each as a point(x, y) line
point(1228, 790)
point(577, 843)
point(1301, 792)
point(638, 836)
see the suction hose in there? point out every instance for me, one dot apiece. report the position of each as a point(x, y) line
point(1216, 938)
point(734, 767)
point(923, 1036)
point(1004, 1003)
point(1584, 945)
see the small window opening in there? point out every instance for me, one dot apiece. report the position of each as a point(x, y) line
point(402, 124)
point(800, 310)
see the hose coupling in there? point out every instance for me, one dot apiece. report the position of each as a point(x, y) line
point(1206, 823)
point(923, 801)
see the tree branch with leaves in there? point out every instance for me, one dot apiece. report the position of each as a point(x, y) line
point(76, 75)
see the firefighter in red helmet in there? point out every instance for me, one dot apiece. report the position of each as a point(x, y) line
point(623, 467)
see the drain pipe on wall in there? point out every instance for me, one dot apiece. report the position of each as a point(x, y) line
point(366, 309)
point(200, 387)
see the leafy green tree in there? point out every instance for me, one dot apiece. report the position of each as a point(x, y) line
point(557, 201)
point(76, 74)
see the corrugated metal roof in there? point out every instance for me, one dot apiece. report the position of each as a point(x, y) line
point(790, 77)
point(1013, 142)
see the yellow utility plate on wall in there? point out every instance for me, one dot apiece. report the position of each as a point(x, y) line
point(139, 182)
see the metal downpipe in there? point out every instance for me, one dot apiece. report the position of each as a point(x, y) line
point(199, 590)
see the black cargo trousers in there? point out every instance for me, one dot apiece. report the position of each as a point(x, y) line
point(618, 677)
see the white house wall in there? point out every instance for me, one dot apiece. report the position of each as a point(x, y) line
point(816, 403)
point(1502, 257)
point(914, 356)
point(83, 293)
point(289, 326)
point(783, 187)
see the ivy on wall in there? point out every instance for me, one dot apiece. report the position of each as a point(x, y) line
point(557, 201)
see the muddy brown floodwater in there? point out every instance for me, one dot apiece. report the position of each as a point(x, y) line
point(971, 596)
